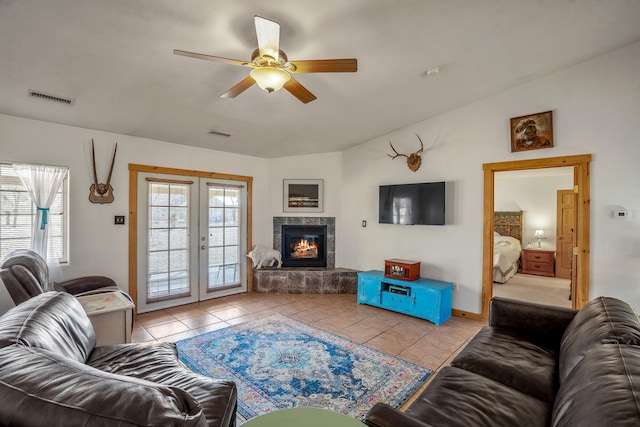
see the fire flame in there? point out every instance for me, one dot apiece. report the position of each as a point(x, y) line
point(303, 249)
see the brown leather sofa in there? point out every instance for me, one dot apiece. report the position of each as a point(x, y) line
point(536, 365)
point(51, 374)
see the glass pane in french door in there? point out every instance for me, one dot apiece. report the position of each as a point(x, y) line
point(224, 226)
point(168, 268)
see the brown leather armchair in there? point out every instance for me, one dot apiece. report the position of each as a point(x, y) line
point(25, 274)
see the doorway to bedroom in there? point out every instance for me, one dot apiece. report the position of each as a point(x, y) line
point(581, 248)
point(533, 235)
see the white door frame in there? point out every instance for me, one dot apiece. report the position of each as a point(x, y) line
point(134, 170)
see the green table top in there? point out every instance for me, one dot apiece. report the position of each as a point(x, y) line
point(307, 417)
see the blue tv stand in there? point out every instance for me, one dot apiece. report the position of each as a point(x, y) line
point(424, 298)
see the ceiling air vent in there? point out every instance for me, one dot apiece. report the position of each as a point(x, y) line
point(49, 97)
point(216, 132)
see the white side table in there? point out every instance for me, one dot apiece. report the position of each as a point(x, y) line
point(111, 315)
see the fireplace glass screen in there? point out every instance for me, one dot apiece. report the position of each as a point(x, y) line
point(304, 246)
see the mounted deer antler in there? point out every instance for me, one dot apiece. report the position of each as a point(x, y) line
point(101, 193)
point(414, 160)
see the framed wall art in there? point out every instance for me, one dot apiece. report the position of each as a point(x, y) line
point(532, 132)
point(303, 195)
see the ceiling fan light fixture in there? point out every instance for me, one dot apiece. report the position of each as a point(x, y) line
point(270, 79)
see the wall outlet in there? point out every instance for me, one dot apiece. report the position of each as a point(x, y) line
point(118, 219)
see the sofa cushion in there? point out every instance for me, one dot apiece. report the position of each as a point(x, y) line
point(602, 320)
point(40, 388)
point(457, 397)
point(602, 390)
point(158, 362)
point(53, 321)
point(511, 359)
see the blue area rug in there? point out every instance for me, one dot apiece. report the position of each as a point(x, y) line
point(278, 362)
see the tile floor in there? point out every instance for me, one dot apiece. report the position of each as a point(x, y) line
point(409, 338)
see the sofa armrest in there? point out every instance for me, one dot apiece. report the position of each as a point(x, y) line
point(542, 323)
point(84, 284)
point(40, 388)
point(383, 415)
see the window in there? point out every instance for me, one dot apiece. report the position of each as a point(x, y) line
point(168, 244)
point(18, 213)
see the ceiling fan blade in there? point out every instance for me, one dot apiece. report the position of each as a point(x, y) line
point(209, 57)
point(299, 91)
point(348, 65)
point(239, 88)
point(268, 35)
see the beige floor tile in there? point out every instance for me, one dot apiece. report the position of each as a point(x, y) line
point(213, 304)
point(166, 329)
point(390, 343)
point(309, 316)
point(154, 318)
point(212, 327)
point(228, 313)
point(424, 354)
point(180, 336)
point(360, 332)
point(185, 311)
point(139, 334)
point(333, 323)
point(200, 321)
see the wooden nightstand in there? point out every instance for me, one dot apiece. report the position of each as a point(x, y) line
point(538, 261)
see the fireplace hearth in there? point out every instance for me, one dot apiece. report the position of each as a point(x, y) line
point(306, 280)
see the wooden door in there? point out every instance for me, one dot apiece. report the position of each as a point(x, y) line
point(565, 234)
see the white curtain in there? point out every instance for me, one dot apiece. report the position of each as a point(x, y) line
point(42, 182)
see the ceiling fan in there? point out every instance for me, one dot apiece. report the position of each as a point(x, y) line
point(271, 69)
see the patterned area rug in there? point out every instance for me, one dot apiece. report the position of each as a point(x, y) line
point(278, 362)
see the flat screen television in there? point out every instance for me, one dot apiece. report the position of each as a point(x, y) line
point(412, 204)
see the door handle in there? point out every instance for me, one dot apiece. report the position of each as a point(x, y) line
point(203, 247)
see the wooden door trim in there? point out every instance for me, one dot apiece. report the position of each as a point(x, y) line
point(134, 170)
point(581, 163)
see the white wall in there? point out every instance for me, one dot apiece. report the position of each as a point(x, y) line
point(97, 246)
point(595, 106)
point(536, 196)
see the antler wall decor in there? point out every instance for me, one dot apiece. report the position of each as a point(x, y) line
point(101, 193)
point(414, 160)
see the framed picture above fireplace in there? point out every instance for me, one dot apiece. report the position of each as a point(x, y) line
point(303, 195)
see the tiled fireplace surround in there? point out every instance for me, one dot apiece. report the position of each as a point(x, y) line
point(306, 280)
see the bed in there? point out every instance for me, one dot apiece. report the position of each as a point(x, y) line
point(507, 245)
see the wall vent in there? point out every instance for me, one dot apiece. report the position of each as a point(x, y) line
point(216, 132)
point(49, 97)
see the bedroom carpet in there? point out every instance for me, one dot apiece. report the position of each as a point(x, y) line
point(278, 362)
point(539, 289)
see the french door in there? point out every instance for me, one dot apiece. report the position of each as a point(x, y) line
point(191, 235)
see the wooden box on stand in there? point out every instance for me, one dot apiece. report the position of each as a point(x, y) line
point(401, 269)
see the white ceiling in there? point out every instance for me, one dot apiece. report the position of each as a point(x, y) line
point(114, 57)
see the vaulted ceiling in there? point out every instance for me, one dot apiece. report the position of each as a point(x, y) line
point(115, 59)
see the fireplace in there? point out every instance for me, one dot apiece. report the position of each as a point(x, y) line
point(304, 245)
point(329, 224)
